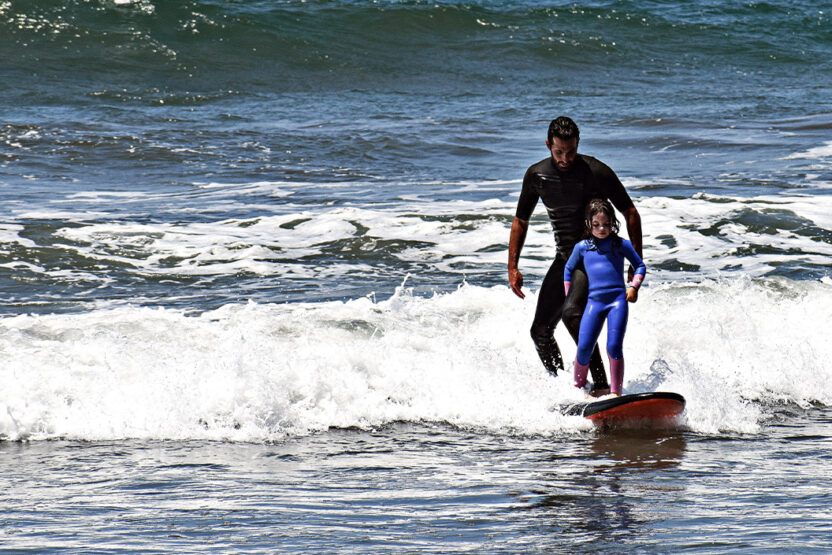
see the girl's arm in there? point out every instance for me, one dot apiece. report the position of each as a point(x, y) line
point(571, 264)
point(640, 271)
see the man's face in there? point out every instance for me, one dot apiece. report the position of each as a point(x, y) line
point(563, 152)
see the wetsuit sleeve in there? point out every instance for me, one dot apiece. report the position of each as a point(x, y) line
point(572, 263)
point(635, 260)
point(528, 197)
point(611, 186)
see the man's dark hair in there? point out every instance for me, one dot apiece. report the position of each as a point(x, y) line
point(563, 128)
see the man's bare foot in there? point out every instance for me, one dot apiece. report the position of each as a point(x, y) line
point(599, 392)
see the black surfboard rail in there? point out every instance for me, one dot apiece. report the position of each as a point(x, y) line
point(596, 408)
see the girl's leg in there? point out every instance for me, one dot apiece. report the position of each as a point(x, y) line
point(573, 309)
point(616, 327)
point(591, 323)
point(616, 375)
point(580, 372)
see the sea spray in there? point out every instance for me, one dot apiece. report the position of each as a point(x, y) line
point(261, 372)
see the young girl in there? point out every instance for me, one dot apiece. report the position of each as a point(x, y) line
point(603, 252)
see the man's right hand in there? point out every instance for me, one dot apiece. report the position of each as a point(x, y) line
point(515, 281)
point(515, 245)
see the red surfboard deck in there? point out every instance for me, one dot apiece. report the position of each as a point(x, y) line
point(658, 407)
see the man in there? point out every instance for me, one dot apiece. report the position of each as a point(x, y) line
point(566, 182)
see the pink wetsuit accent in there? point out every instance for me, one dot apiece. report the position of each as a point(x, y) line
point(616, 374)
point(580, 374)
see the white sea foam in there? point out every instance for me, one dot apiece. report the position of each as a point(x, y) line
point(708, 232)
point(68, 215)
point(816, 153)
point(107, 195)
point(254, 372)
point(275, 189)
point(699, 236)
point(10, 233)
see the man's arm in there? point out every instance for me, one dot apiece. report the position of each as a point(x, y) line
point(633, 219)
point(614, 190)
point(519, 228)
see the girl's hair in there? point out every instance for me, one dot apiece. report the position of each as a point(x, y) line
point(601, 206)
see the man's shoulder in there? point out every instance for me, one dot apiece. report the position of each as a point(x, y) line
point(544, 167)
point(607, 184)
point(596, 166)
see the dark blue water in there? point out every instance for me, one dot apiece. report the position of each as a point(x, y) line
point(173, 92)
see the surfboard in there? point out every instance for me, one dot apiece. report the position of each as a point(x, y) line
point(654, 408)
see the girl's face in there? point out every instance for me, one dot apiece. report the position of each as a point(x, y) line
point(600, 225)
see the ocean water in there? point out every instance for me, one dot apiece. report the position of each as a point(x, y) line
point(253, 276)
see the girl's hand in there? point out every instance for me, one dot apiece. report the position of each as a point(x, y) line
point(632, 295)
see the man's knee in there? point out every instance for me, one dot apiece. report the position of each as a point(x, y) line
point(573, 313)
point(572, 318)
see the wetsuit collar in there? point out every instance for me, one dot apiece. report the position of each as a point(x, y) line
point(603, 245)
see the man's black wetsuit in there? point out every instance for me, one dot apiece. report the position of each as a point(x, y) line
point(565, 196)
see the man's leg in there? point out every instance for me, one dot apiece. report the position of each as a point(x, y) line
point(549, 307)
point(573, 309)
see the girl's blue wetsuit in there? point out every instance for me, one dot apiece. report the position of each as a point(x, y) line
point(604, 264)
